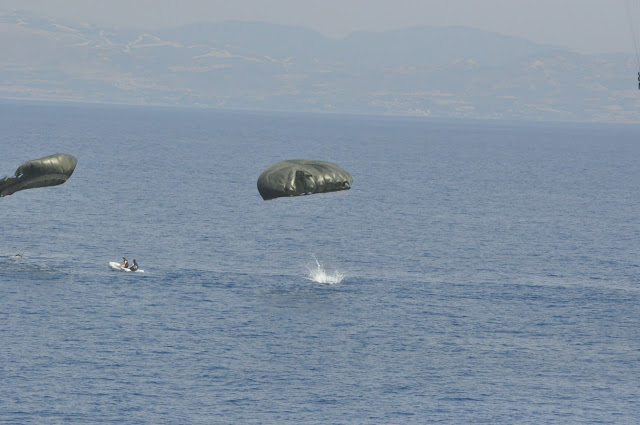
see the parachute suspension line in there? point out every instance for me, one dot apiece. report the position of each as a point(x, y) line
point(634, 33)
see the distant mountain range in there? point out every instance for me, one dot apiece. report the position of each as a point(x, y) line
point(431, 71)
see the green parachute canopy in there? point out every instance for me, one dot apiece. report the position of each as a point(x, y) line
point(296, 177)
point(51, 170)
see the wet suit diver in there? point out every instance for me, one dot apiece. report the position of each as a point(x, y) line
point(125, 263)
point(134, 266)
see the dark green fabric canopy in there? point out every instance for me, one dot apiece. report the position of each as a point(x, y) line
point(51, 170)
point(296, 177)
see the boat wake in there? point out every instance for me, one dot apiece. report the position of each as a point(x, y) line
point(317, 273)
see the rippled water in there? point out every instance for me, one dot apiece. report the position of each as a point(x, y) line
point(476, 272)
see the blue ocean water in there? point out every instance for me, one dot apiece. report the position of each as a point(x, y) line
point(476, 272)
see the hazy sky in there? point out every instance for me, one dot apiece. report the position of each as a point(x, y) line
point(588, 26)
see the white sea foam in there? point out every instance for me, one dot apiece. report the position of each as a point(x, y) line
point(317, 273)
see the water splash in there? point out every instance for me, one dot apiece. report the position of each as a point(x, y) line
point(318, 274)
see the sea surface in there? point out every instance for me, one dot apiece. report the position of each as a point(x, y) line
point(483, 272)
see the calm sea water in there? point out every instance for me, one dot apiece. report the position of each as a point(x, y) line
point(483, 272)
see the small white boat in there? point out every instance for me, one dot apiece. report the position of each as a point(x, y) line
point(116, 266)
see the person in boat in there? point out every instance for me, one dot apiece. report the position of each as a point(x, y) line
point(134, 266)
point(638, 80)
point(125, 263)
